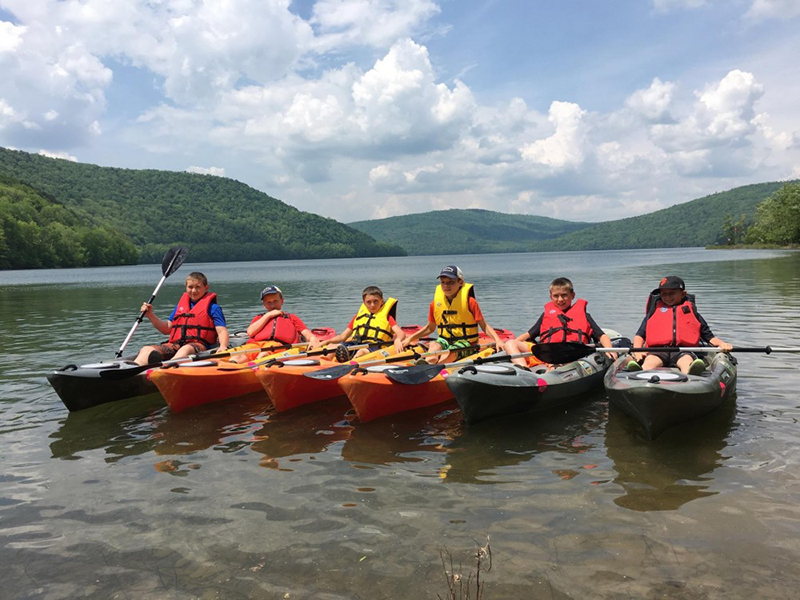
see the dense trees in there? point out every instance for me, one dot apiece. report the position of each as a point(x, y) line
point(778, 218)
point(219, 219)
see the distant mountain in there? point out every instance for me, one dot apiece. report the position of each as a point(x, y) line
point(217, 218)
point(695, 223)
point(464, 231)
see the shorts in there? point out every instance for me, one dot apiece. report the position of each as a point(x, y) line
point(670, 359)
point(454, 346)
point(168, 349)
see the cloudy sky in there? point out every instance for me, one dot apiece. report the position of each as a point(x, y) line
point(355, 109)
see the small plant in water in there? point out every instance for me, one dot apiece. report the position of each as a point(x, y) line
point(459, 587)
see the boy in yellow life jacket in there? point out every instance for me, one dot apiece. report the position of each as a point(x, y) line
point(456, 313)
point(374, 324)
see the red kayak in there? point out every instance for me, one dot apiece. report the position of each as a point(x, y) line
point(287, 386)
point(193, 384)
point(373, 395)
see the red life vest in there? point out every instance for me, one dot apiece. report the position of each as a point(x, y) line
point(571, 325)
point(673, 325)
point(280, 328)
point(194, 324)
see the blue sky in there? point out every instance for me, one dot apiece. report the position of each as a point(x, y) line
point(358, 109)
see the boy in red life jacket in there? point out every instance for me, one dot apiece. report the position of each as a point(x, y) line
point(276, 324)
point(456, 313)
point(373, 324)
point(674, 321)
point(195, 325)
point(563, 320)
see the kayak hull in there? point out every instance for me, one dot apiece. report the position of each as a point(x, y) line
point(489, 391)
point(662, 398)
point(288, 388)
point(82, 387)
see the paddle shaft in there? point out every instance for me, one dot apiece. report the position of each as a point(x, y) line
point(761, 349)
point(171, 267)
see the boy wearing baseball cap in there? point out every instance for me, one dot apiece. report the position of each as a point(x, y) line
point(456, 313)
point(673, 320)
point(277, 325)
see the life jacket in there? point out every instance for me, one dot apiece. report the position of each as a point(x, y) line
point(369, 328)
point(454, 319)
point(672, 325)
point(280, 329)
point(571, 325)
point(194, 324)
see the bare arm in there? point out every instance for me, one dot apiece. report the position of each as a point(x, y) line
point(223, 337)
point(162, 326)
point(429, 327)
point(259, 324)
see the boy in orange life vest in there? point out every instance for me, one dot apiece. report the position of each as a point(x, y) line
point(373, 324)
point(194, 326)
point(456, 313)
point(276, 324)
point(563, 320)
point(673, 322)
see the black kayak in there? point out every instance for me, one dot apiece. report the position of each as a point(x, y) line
point(488, 391)
point(81, 386)
point(661, 398)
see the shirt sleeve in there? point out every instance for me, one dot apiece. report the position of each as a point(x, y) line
point(352, 323)
point(392, 321)
point(297, 322)
point(642, 329)
point(475, 308)
point(431, 318)
point(705, 331)
point(534, 331)
point(597, 332)
point(215, 312)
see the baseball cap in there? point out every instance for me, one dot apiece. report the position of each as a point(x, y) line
point(670, 282)
point(271, 289)
point(452, 271)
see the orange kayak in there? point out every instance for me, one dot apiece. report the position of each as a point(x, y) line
point(193, 384)
point(373, 395)
point(288, 388)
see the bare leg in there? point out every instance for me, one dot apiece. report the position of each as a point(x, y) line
point(516, 347)
point(684, 362)
point(651, 361)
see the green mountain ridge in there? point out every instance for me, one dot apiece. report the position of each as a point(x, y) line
point(698, 222)
point(219, 219)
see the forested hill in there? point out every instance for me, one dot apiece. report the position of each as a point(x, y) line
point(218, 219)
point(465, 231)
point(695, 223)
point(699, 222)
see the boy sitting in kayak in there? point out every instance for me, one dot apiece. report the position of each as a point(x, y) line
point(564, 320)
point(373, 324)
point(276, 324)
point(456, 313)
point(195, 325)
point(673, 321)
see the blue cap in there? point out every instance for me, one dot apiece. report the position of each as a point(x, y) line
point(271, 289)
point(452, 271)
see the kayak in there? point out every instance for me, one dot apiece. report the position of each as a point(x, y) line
point(287, 386)
point(373, 395)
point(195, 383)
point(495, 390)
point(81, 387)
point(662, 398)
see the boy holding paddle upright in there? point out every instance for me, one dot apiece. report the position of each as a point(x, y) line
point(195, 325)
point(456, 313)
point(673, 320)
point(564, 320)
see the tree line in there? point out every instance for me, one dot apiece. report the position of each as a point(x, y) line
point(776, 221)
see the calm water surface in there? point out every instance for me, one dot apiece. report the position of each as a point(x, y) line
point(235, 501)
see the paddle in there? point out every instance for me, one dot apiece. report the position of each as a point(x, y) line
point(560, 353)
point(117, 374)
point(274, 360)
point(415, 375)
point(173, 259)
point(339, 371)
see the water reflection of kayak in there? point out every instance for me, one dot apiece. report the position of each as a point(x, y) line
point(666, 473)
point(662, 398)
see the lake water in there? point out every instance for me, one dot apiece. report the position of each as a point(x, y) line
point(232, 500)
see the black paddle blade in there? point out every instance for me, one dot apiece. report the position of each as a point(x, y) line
point(560, 353)
point(120, 374)
point(413, 374)
point(331, 372)
point(173, 259)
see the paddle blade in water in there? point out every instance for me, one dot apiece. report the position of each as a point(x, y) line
point(173, 259)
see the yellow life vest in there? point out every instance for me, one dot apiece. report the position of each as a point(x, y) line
point(454, 318)
point(373, 328)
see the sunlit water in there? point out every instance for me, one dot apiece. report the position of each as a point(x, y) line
point(232, 500)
